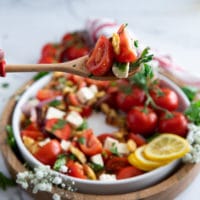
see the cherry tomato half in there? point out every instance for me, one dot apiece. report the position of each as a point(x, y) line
point(91, 145)
point(127, 52)
point(44, 94)
point(36, 135)
point(142, 120)
point(128, 172)
point(116, 163)
point(49, 152)
point(165, 98)
point(100, 60)
point(177, 124)
point(62, 133)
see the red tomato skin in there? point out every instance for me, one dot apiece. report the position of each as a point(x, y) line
point(177, 124)
point(128, 172)
point(127, 51)
point(92, 145)
point(168, 98)
point(32, 134)
point(102, 137)
point(100, 60)
point(63, 133)
point(76, 52)
point(86, 111)
point(142, 122)
point(126, 101)
point(44, 94)
point(49, 152)
point(47, 60)
point(116, 163)
point(49, 50)
point(76, 170)
point(137, 138)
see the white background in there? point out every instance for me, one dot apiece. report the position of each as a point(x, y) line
point(172, 26)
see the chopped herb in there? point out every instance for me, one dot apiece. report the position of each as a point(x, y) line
point(193, 112)
point(96, 167)
point(113, 83)
point(72, 157)
point(40, 75)
point(59, 125)
point(62, 80)
point(83, 126)
point(126, 89)
point(149, 139)
point(11, 139)
point(114, 150)
point(55, 103)
point(81, 140)
point(190, 92)
point(61, 160)
point(5, 181)
point(136, 43)
point(5, 85)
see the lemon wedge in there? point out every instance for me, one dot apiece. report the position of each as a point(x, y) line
point(166, 147)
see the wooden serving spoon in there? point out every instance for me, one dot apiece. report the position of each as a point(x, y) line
point(76, 67)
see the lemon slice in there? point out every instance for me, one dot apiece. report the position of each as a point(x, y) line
point(166, 147)
point(148, 164)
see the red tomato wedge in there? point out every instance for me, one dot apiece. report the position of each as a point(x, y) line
point(49, 152)
point(127, 53)
point(100, 61)
point(137, 138)
point(59, 128)
point(116, 163)
point(76, 170)
point(36, 135)
point(102, 137)
point(90, 145)
point(44, 94)
point(128, 172)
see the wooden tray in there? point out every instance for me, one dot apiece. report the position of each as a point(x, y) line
point(167, 189)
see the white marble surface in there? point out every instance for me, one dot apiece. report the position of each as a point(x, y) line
point(172, 26)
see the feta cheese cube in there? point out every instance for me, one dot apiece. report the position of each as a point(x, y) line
point(97, 159)
point(93, 89)
point(65, 145)
point(54, 113)
point(84, 94)
point(74, 118)
point(63, 169)
point(44, 142)
point(110, 143)
point(122, 148)
point(107, 177)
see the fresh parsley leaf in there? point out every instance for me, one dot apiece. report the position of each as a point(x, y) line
point(59, 125)
point(62, 80)
point(114, 150)
point(193, 112)
point(5, 181)
point(81, 140)
point(190, 92)
point(96, 167)
point(136, 43)
point(83, 126)
point(55, 103)
point(40, 75)
point(61, 160)
point(11, 139)
point(5, 85)
point(72, 157)
point(149, 139)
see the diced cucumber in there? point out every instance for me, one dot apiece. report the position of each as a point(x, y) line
point(120, 70)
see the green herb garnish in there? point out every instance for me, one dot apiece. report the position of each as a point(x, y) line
point(55, 103)
point(72, 157)
point(190, 92)
point(96, 167)
point(83, 126)
point(62, 80)
point(40, 75)
point(61, 160)
point(5, 181)
point(114, 150)
point(136, 43)
point(81, 140)
point(193, 112)
point(5, 85)
point(59, 125)
point(11, 139)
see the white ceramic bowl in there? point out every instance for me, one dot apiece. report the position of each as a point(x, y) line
point(99, 187)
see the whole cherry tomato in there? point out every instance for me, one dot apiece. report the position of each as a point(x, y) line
point(175, 123)
point(128, 172)
point(49, 152)
point(116, 163)
point(50, 50)
point(63, 132)
point(165, 98)
point(90, 144)
point(100, 60)
point(127, 99)
point(142, 120)
point(127, 52)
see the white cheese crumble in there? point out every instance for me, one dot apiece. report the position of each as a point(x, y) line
point(194, 140)
point(63, 169)
point(122, 148)
point(107, 177)
point(54, 113)
point(74, 118)
point(97, 159)
point(84, 94)
point(44, 142)
point(93, 89)
point(110, 143)
point(65, 145)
